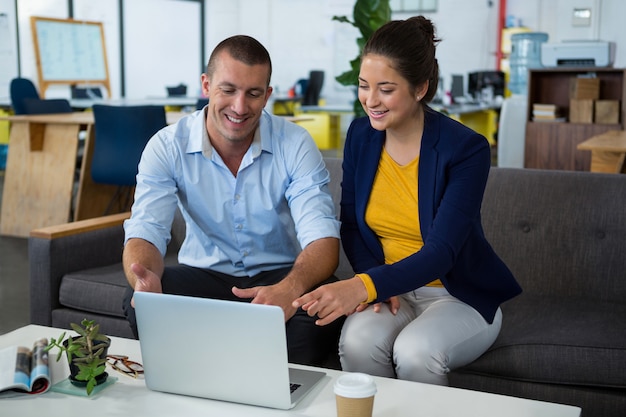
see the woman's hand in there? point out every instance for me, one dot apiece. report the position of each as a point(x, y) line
point(332, 301)
point(394, 305)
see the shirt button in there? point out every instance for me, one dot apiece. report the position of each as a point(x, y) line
point(239, 226)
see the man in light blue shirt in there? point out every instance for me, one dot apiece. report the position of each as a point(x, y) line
point(252, 189)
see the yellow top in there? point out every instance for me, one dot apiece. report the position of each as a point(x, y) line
point(392, 213)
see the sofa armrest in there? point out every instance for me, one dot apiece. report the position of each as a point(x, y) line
point(58, 250)
point(81, 226)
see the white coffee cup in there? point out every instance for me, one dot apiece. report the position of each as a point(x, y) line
point(354, 393)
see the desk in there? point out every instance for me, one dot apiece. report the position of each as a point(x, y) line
point(5, 103)
point(41, 164)
point(608, 151)
point(325, 126)
point(283, 106)
point(183, 101)
point(482, 118)
point(130, 397)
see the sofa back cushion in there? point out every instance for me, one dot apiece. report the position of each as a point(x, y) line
point(560, 232)
point(336, 175)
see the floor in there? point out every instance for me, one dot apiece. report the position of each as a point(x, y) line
point(14, 288)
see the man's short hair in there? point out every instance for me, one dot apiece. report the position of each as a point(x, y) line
point(243, 48)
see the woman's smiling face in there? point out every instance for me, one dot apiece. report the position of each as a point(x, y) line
point(385, 95)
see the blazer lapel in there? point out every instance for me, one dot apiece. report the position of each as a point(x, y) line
point(427, 172)
point(365, 173)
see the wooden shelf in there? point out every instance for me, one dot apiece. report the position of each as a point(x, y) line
point(552, 145)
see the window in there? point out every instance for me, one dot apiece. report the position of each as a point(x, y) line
point(413, 5)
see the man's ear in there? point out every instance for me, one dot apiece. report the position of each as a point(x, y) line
point(205, 84)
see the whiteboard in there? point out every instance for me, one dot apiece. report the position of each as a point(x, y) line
point(69, 52)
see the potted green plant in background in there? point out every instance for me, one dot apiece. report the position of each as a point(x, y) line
point(86, 354)
point(368, 16)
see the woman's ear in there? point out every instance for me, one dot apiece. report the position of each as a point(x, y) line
point(422, 90)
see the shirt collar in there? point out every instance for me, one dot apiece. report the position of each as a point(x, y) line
point(260, 142)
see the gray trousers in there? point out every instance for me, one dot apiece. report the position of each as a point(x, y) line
point(432, 333)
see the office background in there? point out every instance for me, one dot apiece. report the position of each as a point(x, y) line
point(163, 43)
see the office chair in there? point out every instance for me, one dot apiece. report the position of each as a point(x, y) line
point(201, 102)
point(179, 90)
point(21, 89)
point(121, 133)
point(46, 106)
point(313, 88)
point(85, 92)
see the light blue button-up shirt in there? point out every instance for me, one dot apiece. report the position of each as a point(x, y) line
point(257, 221)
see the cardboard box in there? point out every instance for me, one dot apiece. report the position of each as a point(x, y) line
point(584, 88)
point(581, 111)
point(606, 111)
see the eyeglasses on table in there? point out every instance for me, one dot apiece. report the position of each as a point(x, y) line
point(122, 364)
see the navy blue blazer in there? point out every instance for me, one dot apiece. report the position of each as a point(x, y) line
point(453, 169)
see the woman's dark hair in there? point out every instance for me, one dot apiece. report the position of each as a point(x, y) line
point(410, 45)
point(243, 48)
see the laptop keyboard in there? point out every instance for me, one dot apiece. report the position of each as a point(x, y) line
point(293, 387)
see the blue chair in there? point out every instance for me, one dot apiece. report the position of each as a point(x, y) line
point(22, 89)
point(201, 102)
point(179, 90)
point(121, 133)
point(46, 106)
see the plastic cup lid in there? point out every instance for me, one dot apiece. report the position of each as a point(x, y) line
point(355, 385)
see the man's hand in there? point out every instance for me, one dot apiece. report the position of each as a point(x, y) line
point(147, 280)
point(279, 294)
point(332, 301)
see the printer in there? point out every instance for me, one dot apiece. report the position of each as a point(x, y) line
point(578, 54)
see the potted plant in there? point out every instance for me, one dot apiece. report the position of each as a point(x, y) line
point(368, 16)
point(86, 354)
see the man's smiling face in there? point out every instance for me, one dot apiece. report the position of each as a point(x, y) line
point(237, 95)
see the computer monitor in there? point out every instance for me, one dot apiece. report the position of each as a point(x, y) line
point(456, 90)
point(313, 88)
point(477, 81)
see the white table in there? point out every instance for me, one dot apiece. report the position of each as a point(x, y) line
point(130, 397)
point(177, 101)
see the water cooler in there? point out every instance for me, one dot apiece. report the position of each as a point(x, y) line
point(525, 54)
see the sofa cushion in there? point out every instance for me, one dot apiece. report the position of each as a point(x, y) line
point(109, 325)
point(558, 340)
point(99, 290)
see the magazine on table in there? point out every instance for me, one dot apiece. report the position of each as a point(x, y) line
point(24, 369)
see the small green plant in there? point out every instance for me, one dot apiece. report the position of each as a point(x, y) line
point(86, 351)
point(368, 16)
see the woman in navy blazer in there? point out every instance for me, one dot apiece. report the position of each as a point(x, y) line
point(427, 293)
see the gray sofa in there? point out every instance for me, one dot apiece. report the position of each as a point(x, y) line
point(563, 234)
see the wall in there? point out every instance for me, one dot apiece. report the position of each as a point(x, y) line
point(8, 45)
point(555, 18)
point(299, 34)
point(301, 38)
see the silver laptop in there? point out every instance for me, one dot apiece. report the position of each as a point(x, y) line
point(222, 350)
